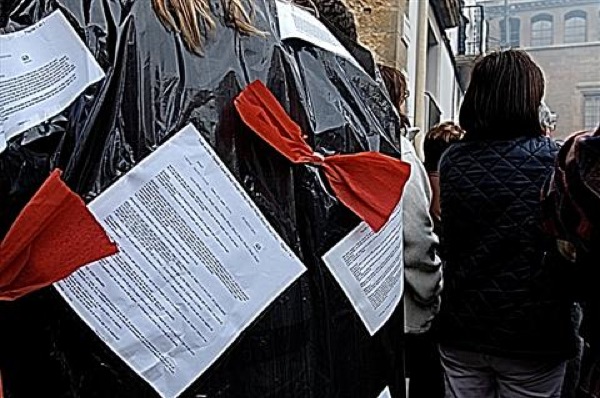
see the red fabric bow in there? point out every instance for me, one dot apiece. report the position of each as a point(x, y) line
point(368, 183)
point(52, 237)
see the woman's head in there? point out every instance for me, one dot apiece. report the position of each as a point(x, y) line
point(395, 83)
point(397, 88)
point(437, 140)
point(503, 97)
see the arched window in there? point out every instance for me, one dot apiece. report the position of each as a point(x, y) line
point(542, 30)
point(591, 111)
point(575, 27)
point(514, 35)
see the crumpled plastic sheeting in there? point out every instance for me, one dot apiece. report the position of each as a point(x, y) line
point(310, 342)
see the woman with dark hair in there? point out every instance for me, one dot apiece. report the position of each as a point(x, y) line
point(505, 327)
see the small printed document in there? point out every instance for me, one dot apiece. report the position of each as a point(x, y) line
point(43, 69)
point(197, 264)
point(385, 393)
point(296, 23)
point(369, 267)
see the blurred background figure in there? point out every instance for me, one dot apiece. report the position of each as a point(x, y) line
point(395, 83)
point(422, 265)
point(436, 142)
point(547, 119)
point(572, 213)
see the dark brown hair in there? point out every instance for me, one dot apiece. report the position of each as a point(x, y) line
point(503, 98)
point(437, 140)
point(395, 83)
point(397, 88)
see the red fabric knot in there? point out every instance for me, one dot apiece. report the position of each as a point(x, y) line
point(368, 183)
point(53, 236)
point(320, 156)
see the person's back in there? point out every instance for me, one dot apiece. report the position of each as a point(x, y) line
point(499, 298)
point(504, 327)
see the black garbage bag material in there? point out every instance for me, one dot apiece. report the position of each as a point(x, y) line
point(309, 342)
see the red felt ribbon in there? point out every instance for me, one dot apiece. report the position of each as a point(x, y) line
point(368, 183)
point(52, 237)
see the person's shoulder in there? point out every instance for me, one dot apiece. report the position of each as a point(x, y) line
point(458, 150)
point(541, 144)
point(407, 148)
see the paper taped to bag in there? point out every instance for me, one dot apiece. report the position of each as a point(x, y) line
point(369, 268)
point(197, 264)
point(296, 23)
point(43, 69)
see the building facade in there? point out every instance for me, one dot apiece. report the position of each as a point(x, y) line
point(563, 36)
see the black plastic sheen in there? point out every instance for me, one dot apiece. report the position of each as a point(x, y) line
point(310, 342)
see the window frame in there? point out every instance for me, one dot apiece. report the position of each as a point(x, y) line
point(514, 40)
point(581, 34)
point(545, 40)
point(593, 96)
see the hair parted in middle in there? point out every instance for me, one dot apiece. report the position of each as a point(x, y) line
point(193, 19)
point(503, 98)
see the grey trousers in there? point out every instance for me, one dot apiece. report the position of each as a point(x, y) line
point(475, 375)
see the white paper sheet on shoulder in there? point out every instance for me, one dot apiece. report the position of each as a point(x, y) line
point(43, 69)
point(369, 268)
point(197, 264)
point(385, 393)
point(296, 23)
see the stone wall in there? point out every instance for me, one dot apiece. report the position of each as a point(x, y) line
point(380, 24)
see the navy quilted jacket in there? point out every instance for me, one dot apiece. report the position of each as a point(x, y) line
point(503, 293)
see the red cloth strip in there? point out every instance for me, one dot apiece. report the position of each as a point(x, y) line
point(53, 236)
point(368, 183)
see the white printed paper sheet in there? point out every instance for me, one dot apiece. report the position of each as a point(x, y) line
point(385, 393)
point(197, 264)
point(296, 23)
point(43, 69)
point(369, 267)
